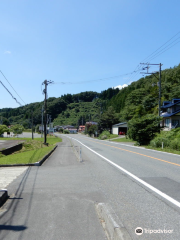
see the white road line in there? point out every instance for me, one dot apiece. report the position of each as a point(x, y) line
point(140, 148)
point(170, 199)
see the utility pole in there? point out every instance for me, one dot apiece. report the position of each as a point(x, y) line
point(160, 89)
point(42, 122)
point(159, 80)
point(32, 125)
point(45, 109)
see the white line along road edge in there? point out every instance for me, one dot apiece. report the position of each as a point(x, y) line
point(170, 199)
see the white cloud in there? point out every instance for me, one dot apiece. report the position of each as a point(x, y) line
point(121, 86)
point(7, 52)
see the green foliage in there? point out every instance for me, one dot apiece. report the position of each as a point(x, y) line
point(104, 135)
point(61, 130)
point(66, 131)
point(157, 142)
point(170, 140)
point(92, 129)
point(17, 129)
point(143, 129)
point(3, 128)
point(79, 113)
point(136, 97)
point(107, 119)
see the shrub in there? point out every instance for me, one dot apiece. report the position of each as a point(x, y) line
point(175, 144)
point(66, 131)
point(144, 129)
point(157, 142)
point(104, 135)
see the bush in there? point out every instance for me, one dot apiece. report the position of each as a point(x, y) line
point(104, 135)
point(144, 129)
point(175, 144)
point(66, 131)
point(92, 129)
point(157, 142)
point(61, 130)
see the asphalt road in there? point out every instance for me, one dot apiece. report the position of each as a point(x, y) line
point(135, 203)
point(56, 200)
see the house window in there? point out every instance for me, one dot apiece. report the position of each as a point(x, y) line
point(167, 122)
point(175, 122)
point(169, 110)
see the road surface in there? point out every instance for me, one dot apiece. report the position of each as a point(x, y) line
point(56, 200)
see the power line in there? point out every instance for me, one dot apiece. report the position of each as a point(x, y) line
point(160, 47)
point(164, 51)
point(11, 86)
point(157, 53)
point(11, 94)
point(96, 80)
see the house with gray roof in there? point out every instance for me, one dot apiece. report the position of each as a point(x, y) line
point(170, 111)
point(119, 127)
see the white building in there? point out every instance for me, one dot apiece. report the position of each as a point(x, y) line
point(119, 127)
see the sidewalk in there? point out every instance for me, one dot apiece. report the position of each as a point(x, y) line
point(52, 202)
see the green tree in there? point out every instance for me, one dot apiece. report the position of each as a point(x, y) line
point(17, 129)
point(144, 129)
point(3, 128)
point(107, 119)
point(92, 129)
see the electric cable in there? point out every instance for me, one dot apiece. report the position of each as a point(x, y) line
point(11, 86)
point(11, 94)
point(160, 46)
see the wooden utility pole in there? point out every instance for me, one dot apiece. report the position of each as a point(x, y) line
point(32, 125)
point(45, 109)
point(42, 122)
point(159, 81)
point(159, 89)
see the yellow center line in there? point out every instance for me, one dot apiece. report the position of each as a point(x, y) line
point(137, 153)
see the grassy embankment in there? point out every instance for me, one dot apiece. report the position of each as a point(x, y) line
point(105, 135)
point(32, 151)
point(124, 139)
point(166, 141)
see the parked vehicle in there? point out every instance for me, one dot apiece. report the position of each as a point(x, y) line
point(121, 133)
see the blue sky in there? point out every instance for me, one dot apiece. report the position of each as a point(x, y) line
point(78, 41)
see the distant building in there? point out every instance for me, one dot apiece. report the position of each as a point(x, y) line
point(119, 128)
point(73, 130)
point(81, 128)
point(91, 123)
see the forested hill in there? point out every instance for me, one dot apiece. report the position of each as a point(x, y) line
point(137, 99)
point(141, 97)
point(55, 106)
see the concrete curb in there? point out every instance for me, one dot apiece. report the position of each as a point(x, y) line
point(112, 225)
point(3, 196)
point(32, 164)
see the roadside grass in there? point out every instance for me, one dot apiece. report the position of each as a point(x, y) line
point(113, 136)
point(26, 157)
point(123, 140)
point(31, 152)
point(165, 149)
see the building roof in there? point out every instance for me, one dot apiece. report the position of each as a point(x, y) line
point(167, 104)
point(93, 123)
point(165, 114)
point(119, 124)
